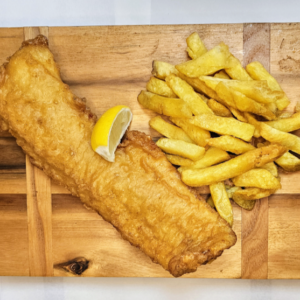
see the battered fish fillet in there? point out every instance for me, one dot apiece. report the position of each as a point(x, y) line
point(140, 194)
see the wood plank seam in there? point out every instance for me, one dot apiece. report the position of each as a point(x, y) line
point(39, 206)
point(255, 222)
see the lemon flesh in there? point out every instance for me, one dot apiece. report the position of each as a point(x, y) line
point(109, 131)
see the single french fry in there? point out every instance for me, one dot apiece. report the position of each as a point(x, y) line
point(199, 86)
point(245, 204)
point(231, 190)
point(178, 160)
point(160, 87)
point(283, 114)
point(221, 201)
point(169, 130)
point(241, 102)
point(172, 107)
point(221, 125)
point(259, 178)
point(210, 62)
point(237, 72)
point(234, 167)
point(185, 92)
point(210, 202)
point(251, 120)
point(271, 167)
point(218, 108)
point(231, 144)
point(287, 124)
point(252, 193)
point(288, 140)
point(198, 135)
point(257, 90)
point(181, 148)
point(211, 157)
point(258, 72)
point(161, 69)
point(222, 74)
point(196, 47)
point(238, 114)
point(289, 162)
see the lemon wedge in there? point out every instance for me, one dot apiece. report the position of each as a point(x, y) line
point(109, 131)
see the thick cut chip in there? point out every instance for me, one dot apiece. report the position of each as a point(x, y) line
point(283, 114)
point(238, 114)
point(259, 178)
point(221, 201)
point(210, 62)
point(251, 120)
point(199, 86)
point(257, 90)
point(196, 47)
point(288, 140)
point(185, 92)
point(237, 72)
point(197, 134)
point(234, 167)
point(211, 157)
point(178, 160)
point(252, 193)
point(222, 74)
point(289, 162)
point(223, 125)
point(241, 102)
point(160, 87)
point(287, 124)
point(169, 130)
point(231, 144)
point(231, 190)
point(245, 204)
point(218, 108)
point(258, 72)
point(161, 69)
point(271, 167)
point(210, 202)
point(172, 107)
point(181, 148)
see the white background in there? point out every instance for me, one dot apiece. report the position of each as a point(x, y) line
point(19, 13)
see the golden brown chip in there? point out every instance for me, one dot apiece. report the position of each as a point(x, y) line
point(221, 125)
point(258, 72)
point(197, 134)
point(178, 160)
point(185, 92)
point(231, 144)
point(211, 157)
point(218, 108)
point(222, 74)
point(246, 204)
point(234, 167)
point(181, 148)
point(196, 47)
point(172, 107)
point(162, 69)
point(259, 178)
point(221, 201)
point(252, 193)
point(160, 87)
point(169, 130)
point(210, 62)
point(286, 124)
point(289, 162)
point(237, 71)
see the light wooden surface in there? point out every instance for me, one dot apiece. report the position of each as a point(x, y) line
point(109, 66)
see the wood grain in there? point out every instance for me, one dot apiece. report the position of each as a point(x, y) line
point(78, 232)
point(13, 236)
point(284, 242)
point(110, 65)
point(255, 222)
point(39, 209)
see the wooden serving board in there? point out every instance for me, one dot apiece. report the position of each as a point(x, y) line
point(44, 231)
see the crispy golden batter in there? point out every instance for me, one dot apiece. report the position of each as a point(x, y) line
point(141, 193)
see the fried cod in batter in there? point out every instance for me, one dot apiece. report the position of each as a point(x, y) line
point(140, 194)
